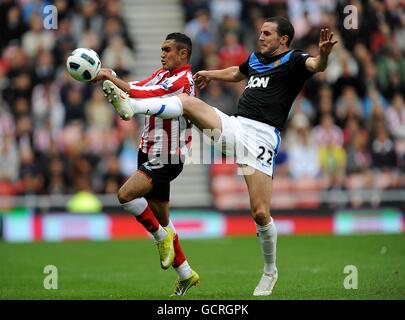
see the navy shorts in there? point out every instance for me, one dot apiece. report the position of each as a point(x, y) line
point(160, 175)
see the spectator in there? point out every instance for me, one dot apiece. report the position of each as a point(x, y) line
point(37, 38)
point(46, 104)
point(230, 24)
point(64, 42)
point(352, 127)
point(88, 19)
point(391, 70)
point(358, 155)
point(324, 103)
point(383, 151)
point(31, 177)
point(251, 35)
point(395, 116)
point(73, 100)
point(221, 8)
point(216, 95)
point(113, 178)
point(62, 7)
point(14, 27)
point(57, 180)
point(348, 105)
point(203, 33)
point(23, 134)
point(98, 111)
point(90, 40)
point(44, 69)
point(7, 125)
point(348, 77)
point(303, 155)
point(303, 105)
point(372, 100)
point(232, 53)
point(19, 87)
point(332, 160)
point(34, 7)
point(327, 133)
point(113, 10)
point(376, 120)
point(9, 158)
point(113, 26)
point(118, 56)
point(358, 169)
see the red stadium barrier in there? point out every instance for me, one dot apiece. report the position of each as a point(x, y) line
point(25, 226)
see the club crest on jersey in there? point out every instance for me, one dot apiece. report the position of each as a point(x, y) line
point(166, 84)
point(257, 82)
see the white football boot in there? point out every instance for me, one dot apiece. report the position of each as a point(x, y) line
point(119, 99)
point(266, 284)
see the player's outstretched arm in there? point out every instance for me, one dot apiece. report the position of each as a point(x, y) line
point(231, 74)
point(109, 74)
point(319, 63)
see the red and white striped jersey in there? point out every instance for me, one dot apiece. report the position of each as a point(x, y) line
point(165, 136)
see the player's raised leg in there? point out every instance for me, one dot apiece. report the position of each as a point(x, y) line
point(131, 198)
point(187, 277)
point(199, 112)
point(259, 187)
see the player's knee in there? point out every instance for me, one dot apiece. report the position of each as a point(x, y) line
point(186, 102)
point(124, 196)
point(261, 216)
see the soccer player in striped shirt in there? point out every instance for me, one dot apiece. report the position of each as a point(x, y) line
point(162, 151)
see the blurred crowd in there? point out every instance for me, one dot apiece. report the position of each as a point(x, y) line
point(57, 136)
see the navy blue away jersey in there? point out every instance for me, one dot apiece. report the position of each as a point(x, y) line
point(272, 87)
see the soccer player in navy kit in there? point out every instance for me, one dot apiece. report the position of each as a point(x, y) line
point(276, 75)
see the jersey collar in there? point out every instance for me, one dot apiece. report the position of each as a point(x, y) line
point(186, 67)
point(276, 57)
point(259, 66)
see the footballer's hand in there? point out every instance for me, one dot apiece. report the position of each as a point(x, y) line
point(103, 74)
point(325, 42)
point(202, 79)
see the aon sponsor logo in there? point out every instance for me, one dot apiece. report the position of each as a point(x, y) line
point(256, 82)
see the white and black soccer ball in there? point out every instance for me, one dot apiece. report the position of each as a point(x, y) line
point(83, 64)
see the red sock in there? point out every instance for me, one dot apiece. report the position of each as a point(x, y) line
point(148, 220)
point(179, 257)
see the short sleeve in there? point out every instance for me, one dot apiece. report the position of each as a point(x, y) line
point(298, 58)
point(244, 67)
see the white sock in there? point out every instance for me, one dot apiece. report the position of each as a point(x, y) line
point(268, 243)
point(137, 207)
point(184, 270)
point(159, 234)
point(164, 108)
point(171, 226)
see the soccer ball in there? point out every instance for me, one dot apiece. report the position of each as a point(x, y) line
point(83, 64)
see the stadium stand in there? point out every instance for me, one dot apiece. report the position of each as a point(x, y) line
point(58, 136)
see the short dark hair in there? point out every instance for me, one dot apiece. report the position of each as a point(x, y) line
point(182, 42)
point(284, 27)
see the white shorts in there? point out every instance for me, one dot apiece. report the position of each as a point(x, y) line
point(250, 142)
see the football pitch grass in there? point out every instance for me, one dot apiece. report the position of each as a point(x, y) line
point(310, 267)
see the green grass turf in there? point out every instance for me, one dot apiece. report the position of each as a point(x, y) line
point(310, 267)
